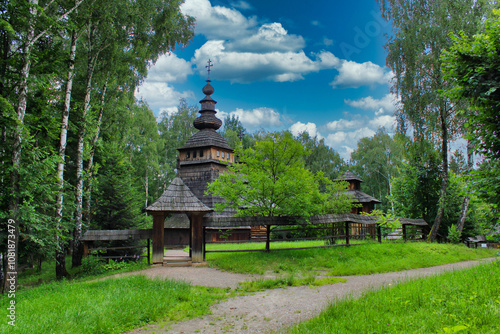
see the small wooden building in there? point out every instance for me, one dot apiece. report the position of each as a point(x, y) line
point(364, 203)
point(367, 202)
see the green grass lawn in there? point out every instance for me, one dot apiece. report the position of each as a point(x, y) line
point(353, 260)
point(92, 268)
point(112, 305)
point(465, 301)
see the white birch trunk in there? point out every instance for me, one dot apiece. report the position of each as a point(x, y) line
point(90, 165)
point(77, 232)
point(64, 128)
point(11, 272)
point(466, 200)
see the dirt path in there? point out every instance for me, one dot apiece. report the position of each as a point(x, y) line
point(277, 309)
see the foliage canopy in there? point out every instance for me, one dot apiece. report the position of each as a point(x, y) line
point(271, 180)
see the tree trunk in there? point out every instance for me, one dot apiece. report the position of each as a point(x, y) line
point(77, 231)
point(60, 255)
point(77, 244)
point(390, 193)
point(147, 188)
point(466, 200)
point(444, 184)
point(11, 272)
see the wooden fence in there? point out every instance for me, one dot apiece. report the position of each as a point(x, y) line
point(112, 235)
point(335, 230)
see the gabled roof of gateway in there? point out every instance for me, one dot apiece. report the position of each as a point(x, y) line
point(178, 198)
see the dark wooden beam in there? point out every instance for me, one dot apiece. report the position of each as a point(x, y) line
point(158, 237)
point(196, 246)
point(347, 233)
point(268, 237)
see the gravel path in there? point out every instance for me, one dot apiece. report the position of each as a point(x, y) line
point(277, 309)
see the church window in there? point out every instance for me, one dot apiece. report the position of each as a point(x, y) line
point(218, 153)
point(201, 153)
point(194, 154)
point(222, 155)
point(187, 155)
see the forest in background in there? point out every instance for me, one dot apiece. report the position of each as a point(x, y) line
point(79, 152)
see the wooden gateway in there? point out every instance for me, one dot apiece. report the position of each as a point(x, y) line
point(178, 198)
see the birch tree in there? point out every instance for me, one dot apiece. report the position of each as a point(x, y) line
point(41, 17)
point(420, 33)
point(120, 32)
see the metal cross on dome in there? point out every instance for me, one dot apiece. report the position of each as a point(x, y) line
point(210, 64)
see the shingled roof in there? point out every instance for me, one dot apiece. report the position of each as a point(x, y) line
point(205, 138)
point(178, 198)
point(361, 197)
point(349, 176)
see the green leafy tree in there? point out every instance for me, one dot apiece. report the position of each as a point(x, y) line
point(175, 129)
point(420, 34)
point(322, 158)
point(386, 220)
point(472, 65)
point(486, 185)
point(272, 180)
point(121, 40)
point(26, 32)
point(416, 188)
point(376, 161)
point(145, 145)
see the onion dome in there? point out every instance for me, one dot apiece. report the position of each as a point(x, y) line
point(207, 119)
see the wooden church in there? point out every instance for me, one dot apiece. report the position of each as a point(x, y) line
point(201, 160)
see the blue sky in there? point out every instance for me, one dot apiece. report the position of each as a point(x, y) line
point(315, 66)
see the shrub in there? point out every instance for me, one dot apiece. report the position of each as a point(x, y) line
point(454, 235)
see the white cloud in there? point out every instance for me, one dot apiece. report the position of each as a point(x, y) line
point(344, 134)
point(259, 117)
point(216, 22)
point(299, 127)
point(269, 37)
point(244, 50)
point(355, 75)
point(346, 142)
point(247, 50)
point(166, 112)
point(160, 95)
point(246, 67)
point(386, 121)
point(343, 124)
point(243, 5)
point(386, 105)
point(327, 41)
point(170, 68)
